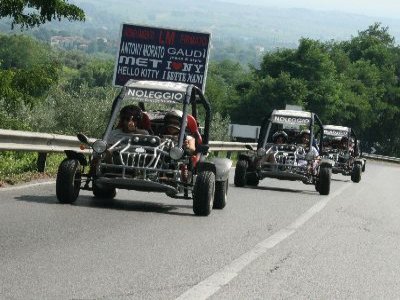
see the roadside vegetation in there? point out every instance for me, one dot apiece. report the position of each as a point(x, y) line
point(353, 83)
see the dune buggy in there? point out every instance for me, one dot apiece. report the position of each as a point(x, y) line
point(291, 160)
point(153, 162)
point(341, 146)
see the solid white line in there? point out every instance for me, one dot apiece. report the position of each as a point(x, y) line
point(213, 283)
point(19, 187)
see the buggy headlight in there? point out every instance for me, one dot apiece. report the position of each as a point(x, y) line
point(261, 152)
point(176, 153)
point(99, 146)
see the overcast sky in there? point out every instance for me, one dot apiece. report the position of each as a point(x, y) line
point(383, 8)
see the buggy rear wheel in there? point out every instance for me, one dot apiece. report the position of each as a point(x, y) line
point(240, 173)
point(68, 182)
point(203, 193)
point(252, 179)
point(356, 173)
point(221, 194)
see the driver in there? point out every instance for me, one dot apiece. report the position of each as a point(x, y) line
point(280, 137)
point(130, 122)
point(172, 126)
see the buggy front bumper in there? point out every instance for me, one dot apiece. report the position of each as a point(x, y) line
point(136, 184)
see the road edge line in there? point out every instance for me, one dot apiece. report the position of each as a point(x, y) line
point(209, 286)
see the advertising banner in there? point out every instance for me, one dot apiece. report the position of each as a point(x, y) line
point(159, 54)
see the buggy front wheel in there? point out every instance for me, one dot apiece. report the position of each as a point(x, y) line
point(105, 193)
point(203, 193)
point(68, 182)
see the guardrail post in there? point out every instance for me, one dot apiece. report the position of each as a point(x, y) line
point(41, 161)
point(216, 153)
point(229, 154)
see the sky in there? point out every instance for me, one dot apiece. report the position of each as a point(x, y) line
point(380, 8)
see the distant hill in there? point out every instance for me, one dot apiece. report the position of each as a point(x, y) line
point(240, 32)
point(272, 26)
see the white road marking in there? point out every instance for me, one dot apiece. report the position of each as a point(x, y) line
point(213, 283)
point(19, 187)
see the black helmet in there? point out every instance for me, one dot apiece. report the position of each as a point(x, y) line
point(173, 119)
point(278, 134)
point(131, 111)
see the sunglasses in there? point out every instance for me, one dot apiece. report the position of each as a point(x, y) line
point(134, 118)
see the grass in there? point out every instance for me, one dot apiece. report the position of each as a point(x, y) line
point(19, 167)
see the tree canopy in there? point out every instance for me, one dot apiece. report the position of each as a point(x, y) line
point(31, 13)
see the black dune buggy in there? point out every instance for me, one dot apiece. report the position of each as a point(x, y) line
point(341, 146)
point(154, 162)
point(291, 160)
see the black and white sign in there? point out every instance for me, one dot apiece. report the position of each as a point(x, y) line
point(335, 132)
point(158, 54)
point(159, 96)
point(290, 120)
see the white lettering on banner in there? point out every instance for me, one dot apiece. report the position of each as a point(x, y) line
point(187, 52)
point(131, 48)
point(140, 61)
point(175, 76)
point(154, 51)
point(184, 67)
point(156, 95)
point(335, 132)
point(195, 78)
point(128, 71)
point(291, 120)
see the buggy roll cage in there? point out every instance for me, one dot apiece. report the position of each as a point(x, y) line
point(267, 124)
point(193, 97)
point(350, 133)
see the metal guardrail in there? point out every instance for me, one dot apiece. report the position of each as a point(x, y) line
point(382, 158)
point(47, 143)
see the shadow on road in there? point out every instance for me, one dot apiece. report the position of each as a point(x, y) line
point(116, 204)
point(276, 189)
point(341, 180)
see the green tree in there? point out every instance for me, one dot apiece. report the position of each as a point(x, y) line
point(31, 13)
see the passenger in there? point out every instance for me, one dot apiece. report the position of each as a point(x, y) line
point(172, 126)
point(305, 140)
point(130, 122)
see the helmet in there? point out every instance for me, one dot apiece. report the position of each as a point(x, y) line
point(131, 111)
point(173, 118)
point(278, 134)
point(305, 131)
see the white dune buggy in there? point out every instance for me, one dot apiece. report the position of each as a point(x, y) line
point(291, 160)
point(153, 162)
point(346, 156)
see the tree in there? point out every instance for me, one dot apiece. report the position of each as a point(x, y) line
point(31, 13)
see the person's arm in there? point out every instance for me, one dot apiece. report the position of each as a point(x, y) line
point(190, 144)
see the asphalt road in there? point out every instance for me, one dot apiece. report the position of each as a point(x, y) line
point(280, 240)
